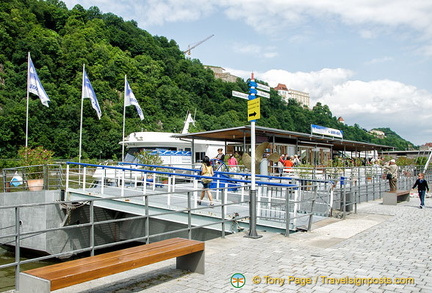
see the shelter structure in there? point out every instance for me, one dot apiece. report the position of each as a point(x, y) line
point(313, 149)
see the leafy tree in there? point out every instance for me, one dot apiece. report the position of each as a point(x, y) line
point(166, 84)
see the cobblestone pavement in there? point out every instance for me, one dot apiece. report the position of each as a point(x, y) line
point(388, 246)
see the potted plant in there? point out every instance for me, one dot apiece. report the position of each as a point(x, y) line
point(34, 160)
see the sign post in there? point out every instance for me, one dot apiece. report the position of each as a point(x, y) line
point(253, 107)
point(254, 112)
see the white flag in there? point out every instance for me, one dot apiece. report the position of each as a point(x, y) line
point(88, 92)
point(131, 100)
point(34, 85)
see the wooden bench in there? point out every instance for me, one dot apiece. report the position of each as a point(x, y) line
point(392, 198)
point(189, 256)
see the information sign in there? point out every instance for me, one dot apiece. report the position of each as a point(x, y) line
point(240, 95)
point(263, 87)
point(263, 94)
point(254, 109)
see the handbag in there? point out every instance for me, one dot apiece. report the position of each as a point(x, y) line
point(389, 176)
point(206, 180)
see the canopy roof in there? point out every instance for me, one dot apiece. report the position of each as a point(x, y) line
point(242, 134)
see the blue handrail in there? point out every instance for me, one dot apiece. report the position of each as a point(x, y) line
point(191, 175)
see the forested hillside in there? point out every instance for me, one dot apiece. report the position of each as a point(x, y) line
point(165, 83)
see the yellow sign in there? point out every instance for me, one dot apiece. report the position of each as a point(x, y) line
point(254, 109)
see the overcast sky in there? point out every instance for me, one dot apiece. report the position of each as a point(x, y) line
point(370, 61)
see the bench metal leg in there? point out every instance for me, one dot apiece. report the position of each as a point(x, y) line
point(193, 262)
point(405, 197)
point(32, 284)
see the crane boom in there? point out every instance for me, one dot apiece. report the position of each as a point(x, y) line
point(190, 47)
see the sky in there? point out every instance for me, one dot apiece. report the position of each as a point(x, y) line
point(370, 61)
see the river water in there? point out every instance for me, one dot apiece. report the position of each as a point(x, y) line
point(7, 275)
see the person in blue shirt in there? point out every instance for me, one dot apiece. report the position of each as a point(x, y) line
point(422, 186)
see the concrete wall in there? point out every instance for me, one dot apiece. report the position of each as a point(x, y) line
point(39, 217)
point(33, 218)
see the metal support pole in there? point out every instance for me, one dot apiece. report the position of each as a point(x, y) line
point(147, 214)
point(189, 209)
point(344, 203)
point(252, 216)
point(92, 229)
point(287, 211)
point(223, 209)
point(45, 177)
point(252, 199)
point(17, 246)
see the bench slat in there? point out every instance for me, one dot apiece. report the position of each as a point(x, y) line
point(96, 258)
point(154, 254)
point(89, 268)
point(112, 266)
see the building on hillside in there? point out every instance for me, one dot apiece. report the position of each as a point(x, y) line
point(341, 120)
point(220, 73)
point(286, 93)
point(377, 133)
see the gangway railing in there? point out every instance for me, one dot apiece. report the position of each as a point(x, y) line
point(16, 231)
point(272, 190)
point(338, 188)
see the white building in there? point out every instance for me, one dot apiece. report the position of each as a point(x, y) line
point(377, 133)
point(286, 93)
point(221, 73)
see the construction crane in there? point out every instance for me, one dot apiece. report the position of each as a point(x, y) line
point(190, 47)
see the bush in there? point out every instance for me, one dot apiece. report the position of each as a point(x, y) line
point(36, 158)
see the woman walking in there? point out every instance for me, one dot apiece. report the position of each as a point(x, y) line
point(206, 170)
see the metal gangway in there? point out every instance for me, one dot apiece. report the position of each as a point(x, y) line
point(173, 188)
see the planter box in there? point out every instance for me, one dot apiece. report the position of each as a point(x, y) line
point(35, 184)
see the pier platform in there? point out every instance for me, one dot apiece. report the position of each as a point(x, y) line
point(382, 248)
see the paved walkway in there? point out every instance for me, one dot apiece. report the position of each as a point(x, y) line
point(385, 245)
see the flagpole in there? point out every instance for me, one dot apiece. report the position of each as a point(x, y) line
point(81, 120)
point(28, 97)
point(124, 119)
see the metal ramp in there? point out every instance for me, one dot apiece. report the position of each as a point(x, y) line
point(161, 205)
